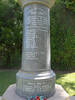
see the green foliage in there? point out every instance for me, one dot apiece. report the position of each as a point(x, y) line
point(62, 38)
point(10, 32)
point(70, 4)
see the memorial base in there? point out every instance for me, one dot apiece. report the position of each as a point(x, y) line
point(10, 94)
point(37, 83)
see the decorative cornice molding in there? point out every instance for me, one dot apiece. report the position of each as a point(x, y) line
point(48, 3)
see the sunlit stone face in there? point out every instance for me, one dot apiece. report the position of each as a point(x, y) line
point(36, 77)
point(36, 38)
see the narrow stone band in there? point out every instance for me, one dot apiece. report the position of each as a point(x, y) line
point(35, 3)
point(21, 70)
point(48, 3)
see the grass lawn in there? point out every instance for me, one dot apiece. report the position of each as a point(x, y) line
point(66, 80)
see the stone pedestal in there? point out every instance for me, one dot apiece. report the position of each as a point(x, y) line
point(36, 77)
point(10, 94)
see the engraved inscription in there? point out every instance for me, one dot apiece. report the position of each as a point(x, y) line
point(36, 30)
point(36, 86)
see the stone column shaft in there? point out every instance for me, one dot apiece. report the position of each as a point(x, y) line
point(36, 77)
point(36, 38)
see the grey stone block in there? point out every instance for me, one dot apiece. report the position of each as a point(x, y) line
point(10, 94)
point(72, 98)
point(0, 98)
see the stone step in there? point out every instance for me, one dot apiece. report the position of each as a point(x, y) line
point(10, 94)
point(0, 97)
point(72, 98)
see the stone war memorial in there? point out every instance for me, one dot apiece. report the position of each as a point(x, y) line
point(35, 78)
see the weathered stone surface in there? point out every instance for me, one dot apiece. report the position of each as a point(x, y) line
point(72, 98)
point(48, 3)
point(36, 76)
point(0, 98)
point(10, 94)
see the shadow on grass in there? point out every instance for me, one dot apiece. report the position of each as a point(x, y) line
point(67, 81)
point(70, 85)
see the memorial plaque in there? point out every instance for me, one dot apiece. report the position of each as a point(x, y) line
point(36, 37)
point(36, 77)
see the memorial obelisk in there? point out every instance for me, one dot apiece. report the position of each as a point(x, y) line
point(36, 77)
